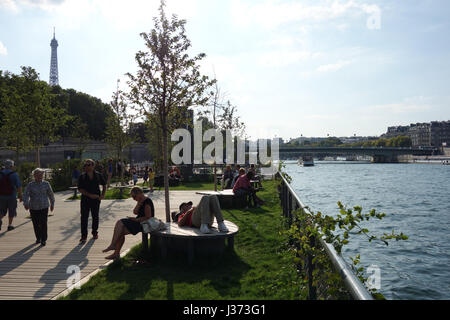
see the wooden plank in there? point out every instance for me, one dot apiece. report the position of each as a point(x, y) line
point(29, 271)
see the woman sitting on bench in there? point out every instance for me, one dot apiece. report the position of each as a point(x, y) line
point(203, 215)
point(131, 225)
point(243, 188)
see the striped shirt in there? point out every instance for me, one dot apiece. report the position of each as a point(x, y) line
point(37, 194)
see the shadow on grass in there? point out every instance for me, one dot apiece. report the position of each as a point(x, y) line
point(172, 278)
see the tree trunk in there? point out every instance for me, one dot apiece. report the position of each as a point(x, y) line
point(215, 176)
point(165, 171)
point(38, 157)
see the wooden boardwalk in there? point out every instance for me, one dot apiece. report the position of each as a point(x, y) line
point(30, 271)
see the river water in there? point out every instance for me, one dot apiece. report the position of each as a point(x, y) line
point(416, 200)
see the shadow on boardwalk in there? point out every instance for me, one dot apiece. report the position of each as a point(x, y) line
point(73, 225)
point(17, 259)
point(76, 257)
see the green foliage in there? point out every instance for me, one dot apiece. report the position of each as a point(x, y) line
point(118, 124)
point(90, 110)
point(308, 227)
point(24, 171)
point(395, 142)
point(32, 113)
point(61, 176)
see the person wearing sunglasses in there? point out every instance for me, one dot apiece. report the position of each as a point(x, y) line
point(89, 186)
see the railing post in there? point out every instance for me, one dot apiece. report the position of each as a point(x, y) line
point(289, 205)
point(311, 288)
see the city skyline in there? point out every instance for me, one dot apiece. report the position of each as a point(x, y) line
point(310, 68)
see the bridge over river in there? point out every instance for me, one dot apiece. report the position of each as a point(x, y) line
point(378, 154)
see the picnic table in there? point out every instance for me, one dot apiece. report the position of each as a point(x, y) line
point(75, 191)
point(254, 183)
point(121, 188)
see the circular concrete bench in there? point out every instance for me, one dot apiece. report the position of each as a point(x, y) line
point(190, 240)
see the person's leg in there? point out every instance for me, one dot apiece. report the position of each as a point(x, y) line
point(3, 211)
point(252, 197)
point(95, 208)
point(84, 208)
point(214, 207)
point(116, 234)
point(35, 220)
point(43, 224)
point(12, 211)
point(119, 243)
point(200, 212)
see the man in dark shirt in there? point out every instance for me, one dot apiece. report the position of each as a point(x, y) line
point(88, 185)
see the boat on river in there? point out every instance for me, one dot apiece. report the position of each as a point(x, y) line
point(306, 161)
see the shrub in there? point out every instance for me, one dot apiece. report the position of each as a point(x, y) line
point(61, 178)
point(24, 171)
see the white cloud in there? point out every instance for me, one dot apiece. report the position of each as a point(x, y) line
point(283, 58)
point(408, 105)
point(333, 67)
point(271, 13)
point(9, 5)
point(3, 50)
point(122, 14)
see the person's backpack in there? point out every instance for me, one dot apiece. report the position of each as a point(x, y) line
point(6, 187)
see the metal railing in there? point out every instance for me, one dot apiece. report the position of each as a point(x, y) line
point(291, 202)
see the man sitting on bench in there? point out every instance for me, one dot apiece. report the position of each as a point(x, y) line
point(203, 215)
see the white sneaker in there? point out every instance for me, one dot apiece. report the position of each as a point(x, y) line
point(204, 228)
point(222, 227)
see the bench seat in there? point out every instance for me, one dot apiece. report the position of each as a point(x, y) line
point(190, 240)
point(227, 199)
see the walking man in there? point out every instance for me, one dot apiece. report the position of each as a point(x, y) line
point(10, 187)
point(89, 187)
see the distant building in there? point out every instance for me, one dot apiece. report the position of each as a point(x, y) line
point(355, 139)
point(396, 131)
point(420, 134)
point(432, 134)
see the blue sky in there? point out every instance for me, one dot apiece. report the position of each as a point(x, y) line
point(292, 67)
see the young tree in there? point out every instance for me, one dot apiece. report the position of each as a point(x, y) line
point(80, 134)
point(33, 113)
point(168, 79)
point(223, 117)
point(13, 129)
point(118, 124)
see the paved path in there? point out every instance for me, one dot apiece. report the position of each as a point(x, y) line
point(29, 271)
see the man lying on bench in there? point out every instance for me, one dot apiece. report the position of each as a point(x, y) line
point(201, 216)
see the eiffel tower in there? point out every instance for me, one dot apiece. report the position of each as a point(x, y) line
point(54, 81)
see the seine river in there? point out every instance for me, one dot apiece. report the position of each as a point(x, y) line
point(416, 200)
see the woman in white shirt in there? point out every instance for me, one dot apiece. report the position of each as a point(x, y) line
point(36, 198)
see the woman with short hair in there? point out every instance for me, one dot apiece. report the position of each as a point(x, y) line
point(144, 210)
point(36, 198)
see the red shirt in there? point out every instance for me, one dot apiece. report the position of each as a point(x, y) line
point(241, 183)
point(188, 219)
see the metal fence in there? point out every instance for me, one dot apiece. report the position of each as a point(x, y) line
point(291, 202)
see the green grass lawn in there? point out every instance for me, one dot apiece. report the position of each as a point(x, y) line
point(260, 267)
